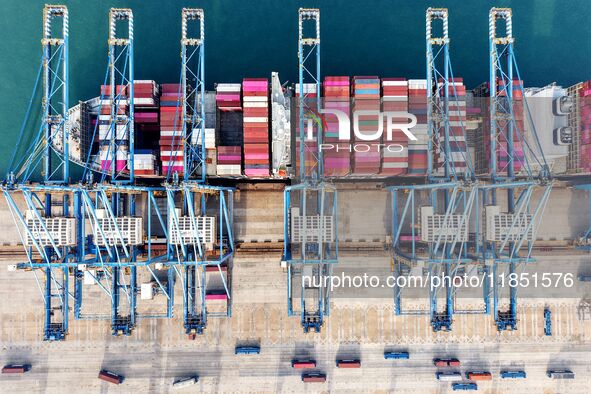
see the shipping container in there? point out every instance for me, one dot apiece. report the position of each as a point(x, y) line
point(16, 368)
point(310, 377)
point(479, 375)
point(448, 376)
point(396, 355)
point(303, 364)
point(560, 374)
point(247, 350)
point(348, 363)
point(110, 377)
point(446, 362)
point(513, 375)
point(464, 386)
point(185, 382)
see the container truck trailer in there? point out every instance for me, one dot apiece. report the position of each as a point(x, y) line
point(480, 375)
point(446, 362)
point(247, 350)
point(303, 364)
point(185, 382)
point(311, 377)
point(396, 355)
point(16, 368)
point(560, 374)
point(110, 377)
point(448, 376)
point(464, 386)
point(513, 375)
point(348, 363)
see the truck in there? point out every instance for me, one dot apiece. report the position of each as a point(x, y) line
point(16, 368)
point(464, 386)
point(185, 382)
point(448, 376)
point(547, 322)
point(110, 377)
point(313, 377)
point(303, 364)
point(396, 355)
point(478, 375)
point(446, 362)
point(513, 375)
point(560, 374)
point(247, 350)
point(349, 363)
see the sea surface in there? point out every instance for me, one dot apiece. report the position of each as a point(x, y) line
point(251, 38)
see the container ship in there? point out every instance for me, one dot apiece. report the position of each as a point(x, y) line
point(251, 129)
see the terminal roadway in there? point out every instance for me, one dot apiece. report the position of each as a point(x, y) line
point(151, 368)
point(158, 351)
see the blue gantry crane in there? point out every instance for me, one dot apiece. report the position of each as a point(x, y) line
point(92, 230)
point(511, 223)
point(47, 230)
point(310, 206)
point(445, 202)
point(199, 243)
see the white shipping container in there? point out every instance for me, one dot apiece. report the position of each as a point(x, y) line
point(254, 104)
point(394, 83)
point(229, 169)
point(395, 98)
point(252, 119)
point(308, 88)
point(171, 133)
point(228, 87)
point(257, 99)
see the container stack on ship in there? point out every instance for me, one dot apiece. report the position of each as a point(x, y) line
point(366, 94)
point(256, 127)
point(310, 146)
point(585, 127)
point(457, 122)
point(417, 105)
point(229, 150)
point(394, 99)
point(146, 97)
point(337, 96)
point(105, 133)
point(483, 147)
point(171, 130)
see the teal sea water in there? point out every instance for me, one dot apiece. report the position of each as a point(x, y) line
point(251, 38)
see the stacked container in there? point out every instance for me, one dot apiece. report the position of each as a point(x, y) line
point(106, 154)
point(518, 136)
point(171, 129)
point(418, 150)
point(256, 126)
point(145, 93)
point(227, 96)
point(585, 142)
point(337, 154)
point(229, 153)
point(395, 150)
point(501, 151)
point(146, 101)
point(229, 161)
point(310, 144)
point(144, 162)
point(366, 155)
point(457, 122)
